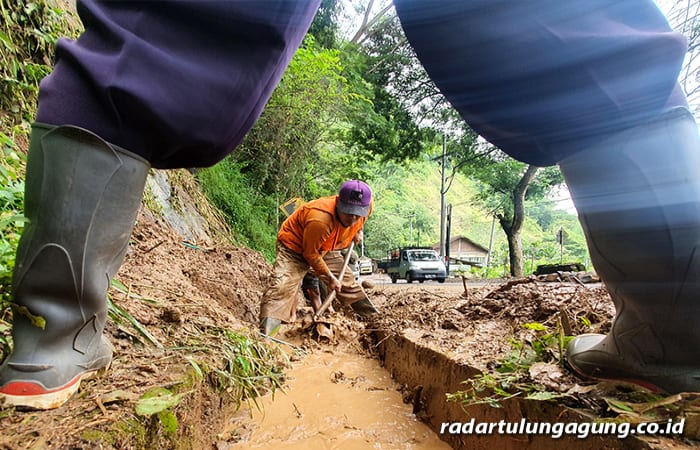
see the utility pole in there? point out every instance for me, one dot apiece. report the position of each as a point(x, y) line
point(488, 255)
point(442, 197)
point(448, 237)
point(560, 239)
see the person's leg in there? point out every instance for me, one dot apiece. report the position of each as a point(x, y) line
point(351, 294)
point(279, 302)
point(115, 114)
point(81, 198)
point(310, 286)
point(638, 199)
point(590, 86)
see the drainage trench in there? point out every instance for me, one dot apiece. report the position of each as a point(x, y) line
point(416, 365)
point(336, 400)
point(339, 399)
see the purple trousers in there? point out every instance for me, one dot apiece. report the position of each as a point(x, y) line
point(177, 82)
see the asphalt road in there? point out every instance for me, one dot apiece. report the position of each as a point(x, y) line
point(383, 280)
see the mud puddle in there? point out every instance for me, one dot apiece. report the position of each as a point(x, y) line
point(336, 400)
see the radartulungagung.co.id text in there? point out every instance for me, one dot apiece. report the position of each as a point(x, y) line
point(556, 430)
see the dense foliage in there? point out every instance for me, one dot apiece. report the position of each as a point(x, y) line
point(27, 37)
point(28, 34)
point(11, 207)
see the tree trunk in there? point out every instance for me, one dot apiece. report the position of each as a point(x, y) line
point(368, 22)
point(515, 253)
point(514, 227)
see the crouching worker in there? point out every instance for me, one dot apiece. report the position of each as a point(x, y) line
point(311, 238)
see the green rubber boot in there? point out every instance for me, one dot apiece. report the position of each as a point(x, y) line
point(81, 198)
point(270, 326)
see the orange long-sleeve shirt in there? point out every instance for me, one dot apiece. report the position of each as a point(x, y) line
point(314, 229)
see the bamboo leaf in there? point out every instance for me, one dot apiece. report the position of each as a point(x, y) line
point(157, 400)
point(136, 324)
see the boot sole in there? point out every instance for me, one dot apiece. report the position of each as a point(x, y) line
point(32, 396)
point(632, 381)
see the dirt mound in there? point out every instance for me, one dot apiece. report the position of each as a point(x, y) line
point(476, 324)
point(161, 265)
point(172, 301)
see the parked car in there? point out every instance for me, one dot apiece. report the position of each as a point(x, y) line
point(366, 266)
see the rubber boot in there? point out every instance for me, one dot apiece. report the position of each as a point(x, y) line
point(270, 326)
point(81, 198)
point(364, 308)
point(638, 199)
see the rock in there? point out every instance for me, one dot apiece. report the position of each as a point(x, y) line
point(367, 284)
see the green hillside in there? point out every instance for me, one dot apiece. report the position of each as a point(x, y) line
point(407, 211)
point(409, 198)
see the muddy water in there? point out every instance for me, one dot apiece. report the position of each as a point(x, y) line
point(338, 401)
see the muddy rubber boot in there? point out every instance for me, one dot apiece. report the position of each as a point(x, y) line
point(269, 326)
point(364, 308)
point(81, 198)
point(638, 199)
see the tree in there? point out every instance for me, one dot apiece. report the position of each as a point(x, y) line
point(392, 63)
point(281, 150)
point(383, 126)
point(684, 16)
point(372, 19)
point(324, 27)
point(505, 185)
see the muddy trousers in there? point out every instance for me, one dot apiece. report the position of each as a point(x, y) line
point(284, 288)
point(638, 199)
point(82, 195)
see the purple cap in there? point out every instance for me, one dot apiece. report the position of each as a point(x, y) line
point(354, 198)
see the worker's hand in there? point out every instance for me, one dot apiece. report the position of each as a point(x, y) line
point(334, 284)
point(358, 237)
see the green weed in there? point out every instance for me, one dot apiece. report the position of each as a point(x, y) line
point(251, 367)
point(511, 376)
point(12, 221)
point(27, 42)
point(158, 404)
